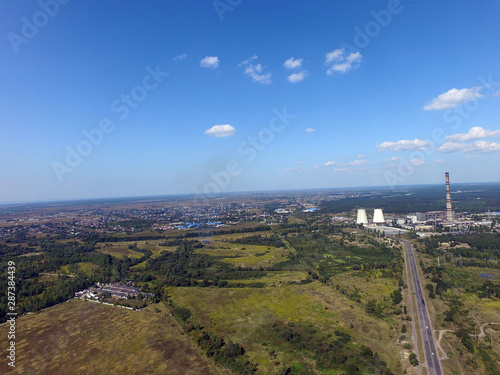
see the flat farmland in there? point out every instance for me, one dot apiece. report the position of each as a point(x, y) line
point(235, 236)
point(245, 316)
point(121, 249)
point(278, 278)
point(253, 256)
point(79, 337)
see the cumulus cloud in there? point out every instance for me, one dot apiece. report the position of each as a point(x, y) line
point(329, 163)
point(417, 162)
point(221, 130)
point(394, 158)
point(180, 57)
point(210, 62)
point(292, 64)
point(249, 60)
point(476, 132)
point(338, 61)
point(404, 144)
point(477, 146)
point(497, 93)
point(297, 77)
point(310, 130)
point(453, 98)
point(357, 162)
point(255, 71)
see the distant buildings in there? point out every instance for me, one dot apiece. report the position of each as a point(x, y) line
point(115, 290)
point(431, 216)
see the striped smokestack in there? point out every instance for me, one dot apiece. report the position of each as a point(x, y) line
point(449, 211)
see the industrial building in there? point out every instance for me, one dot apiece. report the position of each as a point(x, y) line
point(446, 216)
point(431, 216)
point(378, 216)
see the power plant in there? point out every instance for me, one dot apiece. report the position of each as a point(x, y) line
point(362, 219)
point(378, 216)
point(449, 210)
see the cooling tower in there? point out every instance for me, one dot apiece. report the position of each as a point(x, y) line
point(361, 217)
point(449, 210)
point(378, 216)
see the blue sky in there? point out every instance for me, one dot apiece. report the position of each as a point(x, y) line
point(208, 96)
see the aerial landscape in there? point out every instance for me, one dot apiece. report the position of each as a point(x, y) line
point(235, 187)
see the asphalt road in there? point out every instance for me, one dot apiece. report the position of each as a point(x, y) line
point(431, 355)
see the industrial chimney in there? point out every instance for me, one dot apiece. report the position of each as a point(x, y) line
point(449, 211)
point(362, 219)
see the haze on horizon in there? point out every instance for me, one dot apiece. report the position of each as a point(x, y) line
point(113, 100)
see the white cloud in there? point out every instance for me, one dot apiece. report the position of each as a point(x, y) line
point(292, 170)
point(476, 132)
point(453, 98)
point(417, 162)
point(342, 169)
point(310, 130)
point(297, 77)
point(180, 57)
point(394, 158)
point(255, 72)
point(249, 60)
point(329, 163)
point(439, 161)
point(405, 144)
point(360, 156)
point(452, 147)
point(292, 64)
point(357, 162)
point(477, 146)
point(497, 93)
point(315, 166)
point(470, 156)
point(339, 62)
point(210, 62)
point(221, 130)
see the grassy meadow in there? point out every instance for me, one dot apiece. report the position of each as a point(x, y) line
point(79, 337)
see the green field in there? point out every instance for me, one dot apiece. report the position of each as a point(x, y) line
point(253, 256)
point(245, 316)
point(121, 249)
point(79, 337)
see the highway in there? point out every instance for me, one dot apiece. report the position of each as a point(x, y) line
point(431, 355)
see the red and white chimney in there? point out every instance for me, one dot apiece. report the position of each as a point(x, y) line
point(449, 210)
